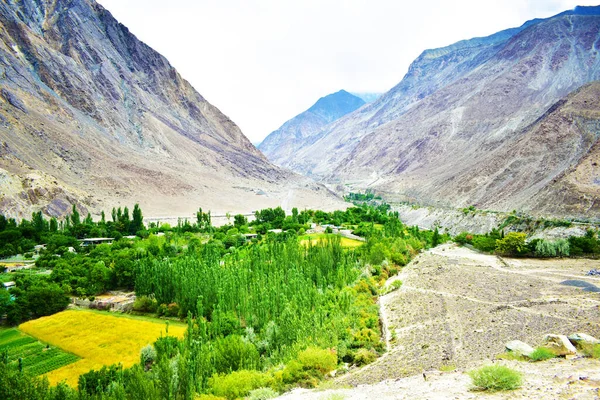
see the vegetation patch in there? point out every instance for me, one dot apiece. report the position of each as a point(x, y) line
point(97, 338)
point(542, 354)
point(495, 378)
point(33, 356)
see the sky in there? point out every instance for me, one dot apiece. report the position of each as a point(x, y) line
point(261, 62)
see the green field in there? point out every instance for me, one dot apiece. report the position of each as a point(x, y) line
point(37, 357)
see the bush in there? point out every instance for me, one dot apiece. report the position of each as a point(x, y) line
point(558, 248)
point(147, 356)
point(238, 383)
point(513, 244)
point(495, 378)
point(541, 354)
point(262, 394)
point(364, 357)
point(320, 360)
point(233, 353)
point(310, 366)
point(145, 304)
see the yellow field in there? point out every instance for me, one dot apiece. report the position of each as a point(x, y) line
point(344, 241)
point(99, 339)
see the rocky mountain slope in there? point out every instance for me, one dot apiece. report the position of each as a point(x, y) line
point(91, 115)
point(281, 145)
point(487, 121)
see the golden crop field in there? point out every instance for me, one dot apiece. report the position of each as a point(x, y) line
point(315, 238)
point(99, 339)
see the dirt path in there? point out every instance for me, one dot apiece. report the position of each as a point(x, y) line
point(457, 308)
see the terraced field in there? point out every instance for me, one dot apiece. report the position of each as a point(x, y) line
point(37, 358)
point(97, 338)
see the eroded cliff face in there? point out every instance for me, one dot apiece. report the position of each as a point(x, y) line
point(90, 114)
point(452, 132)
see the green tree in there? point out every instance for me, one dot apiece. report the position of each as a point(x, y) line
point(39, 223)
point(75, 218)
point(53, 225)
point(512, 244)
point(138, 220)
point(435, 239)
point(239, 220)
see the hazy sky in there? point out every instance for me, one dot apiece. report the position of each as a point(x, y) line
point(263, 61)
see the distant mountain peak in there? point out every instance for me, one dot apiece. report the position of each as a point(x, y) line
point(280, 145)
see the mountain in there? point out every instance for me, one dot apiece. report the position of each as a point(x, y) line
point(368, 97)
point(455, 131)
point(90, 115)
point(281, 145)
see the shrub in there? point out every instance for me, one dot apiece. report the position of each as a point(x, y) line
point(262, 394)
point(364, 357)
point(238, 383)
point(145, 304)
point(558, 248)
point(495, 378)
point(541, 354)
point(318, 359)
point(512, 244)
point(147, 356)
point(233, 353)
point(484, 243)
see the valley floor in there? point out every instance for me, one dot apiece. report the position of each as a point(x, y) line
point(457, 309)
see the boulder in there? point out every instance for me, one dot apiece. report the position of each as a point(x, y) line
point(580, 340)
point(522, 348)
point(559, 345)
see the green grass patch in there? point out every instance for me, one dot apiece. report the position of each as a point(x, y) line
point(495, 378)
point(541, 354)
point(37, 358)
point(591, 350)
point(448, 368)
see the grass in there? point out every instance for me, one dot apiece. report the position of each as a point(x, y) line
point(38, 358)
point(542, 354)
point(495, 378)
point(591, 350)
point(448, 368)
point(98, 338)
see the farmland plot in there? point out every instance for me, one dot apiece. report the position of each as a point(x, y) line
point(99, 339)
point(37, 358)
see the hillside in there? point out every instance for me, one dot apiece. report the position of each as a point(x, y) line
point(456, 310)
point(91, 115)
point(281, 145)
point(451, 132)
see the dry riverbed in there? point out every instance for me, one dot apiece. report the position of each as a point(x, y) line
point(456, 310)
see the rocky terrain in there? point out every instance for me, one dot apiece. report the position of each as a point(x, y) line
point(456, 221)
point(91, 115)
point(281, 145)
point(457, 309)
point(500, 122)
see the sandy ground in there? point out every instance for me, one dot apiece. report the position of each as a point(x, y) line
point(457, 308)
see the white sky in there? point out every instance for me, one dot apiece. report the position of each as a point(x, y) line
point(262, 62)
